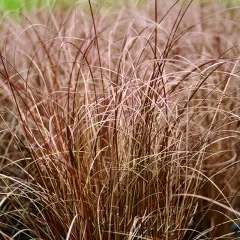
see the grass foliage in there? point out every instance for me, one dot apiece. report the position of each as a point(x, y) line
point(121, 123)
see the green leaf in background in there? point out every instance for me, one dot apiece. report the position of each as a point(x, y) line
point(15, 4)
point(10, 4)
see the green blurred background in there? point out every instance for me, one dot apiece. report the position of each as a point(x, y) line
point(15, 4)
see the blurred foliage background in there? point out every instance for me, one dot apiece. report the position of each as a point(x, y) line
point(27, 4)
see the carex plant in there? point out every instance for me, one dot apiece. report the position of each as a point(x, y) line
point(120, 123)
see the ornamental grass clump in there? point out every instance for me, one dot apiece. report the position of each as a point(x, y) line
point(120, 123)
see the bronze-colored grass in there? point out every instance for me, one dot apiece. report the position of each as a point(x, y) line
point(121, 123)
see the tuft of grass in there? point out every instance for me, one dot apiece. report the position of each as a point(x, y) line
point(121, 125)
